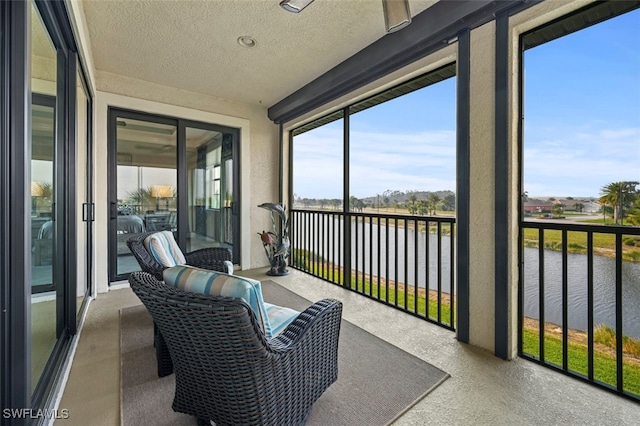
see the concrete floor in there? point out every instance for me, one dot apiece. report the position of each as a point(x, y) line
point(482, 389)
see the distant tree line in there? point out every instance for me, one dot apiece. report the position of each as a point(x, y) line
point(415, 202)
point(621, 200)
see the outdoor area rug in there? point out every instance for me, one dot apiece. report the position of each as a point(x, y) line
point(377, 382)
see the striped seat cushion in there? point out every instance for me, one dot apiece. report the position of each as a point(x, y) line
point(164, 248)
point(272, 319)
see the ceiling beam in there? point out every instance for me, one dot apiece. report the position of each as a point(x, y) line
point(429, 31)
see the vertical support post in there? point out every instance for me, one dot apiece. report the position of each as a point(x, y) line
point(501, 346)
point(346, 279)
point(462, 185)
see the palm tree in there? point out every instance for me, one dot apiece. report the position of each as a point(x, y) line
point(412, 199)
point(421, 207)
point(618, 195)
point(433, 201)
point(141, 199)
point(633, 214)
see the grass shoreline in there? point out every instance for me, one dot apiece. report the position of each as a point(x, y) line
point(580, 337)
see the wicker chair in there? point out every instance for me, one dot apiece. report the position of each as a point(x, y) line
point(207, 258)
point(225, 368)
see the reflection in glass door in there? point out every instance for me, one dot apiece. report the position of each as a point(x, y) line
point(46, 290)
point(171, 174)
point(84, 207)
point(210, 188)
point(145, 185)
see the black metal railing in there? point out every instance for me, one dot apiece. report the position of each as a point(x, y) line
point(580, 302)
point(407, 262)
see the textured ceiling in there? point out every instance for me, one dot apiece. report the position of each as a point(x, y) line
point(192, 45)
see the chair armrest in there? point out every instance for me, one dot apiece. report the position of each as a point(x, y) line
point(205, 255)
point(212, 258)
point(213, 265)
point(308, 349)
point(323, 317)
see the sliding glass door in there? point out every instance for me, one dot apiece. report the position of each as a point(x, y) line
point(84, 195)
point(170, 175)
point(45, 184)
point(210, 188)
point(47, 263)
point(145, 185)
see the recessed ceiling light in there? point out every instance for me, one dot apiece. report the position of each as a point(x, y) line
point(246, 41)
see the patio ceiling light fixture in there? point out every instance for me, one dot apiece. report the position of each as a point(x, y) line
point(396, 14)
point(295, 6)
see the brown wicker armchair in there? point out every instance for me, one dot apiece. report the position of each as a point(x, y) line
point(208, 258)
point(227, 371)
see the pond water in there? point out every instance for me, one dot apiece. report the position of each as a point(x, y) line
point(604, 290)
point(604, 275)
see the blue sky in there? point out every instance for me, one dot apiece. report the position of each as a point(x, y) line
point(582, 110)
point(404, 144)
point(582, 126)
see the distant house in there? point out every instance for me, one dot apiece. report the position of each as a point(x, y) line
point(534, 206)
point(592, 207)
point(588, 206)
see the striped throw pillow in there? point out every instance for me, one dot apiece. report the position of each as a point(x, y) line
point(164, 248)
point(196, 280)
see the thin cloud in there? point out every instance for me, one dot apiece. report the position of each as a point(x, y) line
point(580, 165)
point(379, 161)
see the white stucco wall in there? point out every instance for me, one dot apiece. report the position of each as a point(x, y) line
point(482, 189)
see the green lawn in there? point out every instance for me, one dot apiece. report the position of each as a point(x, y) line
point(604, 244)
point(607, 221)
point(396, 298)
point(604, 365)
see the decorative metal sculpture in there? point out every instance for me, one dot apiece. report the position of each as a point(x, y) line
point(276, 243)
